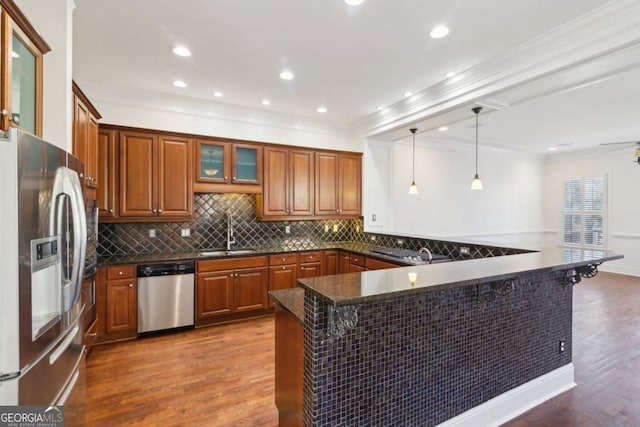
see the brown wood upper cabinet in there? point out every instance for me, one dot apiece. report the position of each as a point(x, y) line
point(338, 184)
point(21, 52)
point(155, 171)
point(107, 174)
point(288, 188)
point(85, 136)
point(225, 166)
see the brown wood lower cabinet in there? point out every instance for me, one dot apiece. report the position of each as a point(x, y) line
point(229, 288)
point(283, 269)
point(330, 263)
point(288, 359)
point(117, 303)
point(376, 264)
point(343, 262)
point(356, 263)
point(310, 264)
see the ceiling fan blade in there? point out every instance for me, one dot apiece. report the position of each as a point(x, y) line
point(629, 143)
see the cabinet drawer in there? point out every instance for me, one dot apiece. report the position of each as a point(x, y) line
point(121, 272)
point(283, 259)
point(311, 256)
point(357, 260)
point(231, 263)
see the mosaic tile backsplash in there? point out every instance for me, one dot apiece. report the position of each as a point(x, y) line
point(420, 360)
point(209, 231)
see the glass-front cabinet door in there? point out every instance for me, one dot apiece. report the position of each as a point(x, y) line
point(226, 162)
point(213, 161)
point(22, 51)
point(247, 164)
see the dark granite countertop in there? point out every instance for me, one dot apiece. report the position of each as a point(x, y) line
point(291, 300)
point(355, 247)
point(353, 288)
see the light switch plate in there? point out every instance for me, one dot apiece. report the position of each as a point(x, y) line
point(152, 232)
point(287, 229)
point(185, 232)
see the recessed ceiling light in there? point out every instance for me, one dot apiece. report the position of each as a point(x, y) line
point(181, 51)
point(353, 2)
point(266, 102)
point(321, 109)
point(286, 75)
point(379, 108)
point(450, 74)
point(14, 54)
point(439, 32)
point(443, 128)
point(217, 94)
point(407, 94)
point(179, 83)
point(552, 148)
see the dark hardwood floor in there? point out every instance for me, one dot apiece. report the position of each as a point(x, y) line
point(223, 375)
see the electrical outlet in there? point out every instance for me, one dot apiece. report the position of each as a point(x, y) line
point(335, 228)
point(373, 238)
point(357, 228)
point(185, 232)
point(562, 346)
point(152, 232)
point(326, 228)
point(287, 229)
point(373, 217)
point(464, 250)
point(400, 242)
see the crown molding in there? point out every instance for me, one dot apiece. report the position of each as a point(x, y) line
point(150, 100)
point(610, 28)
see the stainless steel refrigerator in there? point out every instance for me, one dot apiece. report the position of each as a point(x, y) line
point(42, 260)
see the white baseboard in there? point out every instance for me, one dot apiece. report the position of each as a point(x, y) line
point(517, 401)
point(620, 269)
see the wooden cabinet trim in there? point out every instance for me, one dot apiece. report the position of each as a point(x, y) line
point(231, 263)
point(14, 12)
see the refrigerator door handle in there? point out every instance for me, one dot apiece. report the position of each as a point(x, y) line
point(63, 346)
point(67, 184)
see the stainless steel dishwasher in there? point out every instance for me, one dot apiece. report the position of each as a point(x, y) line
point(165, 296)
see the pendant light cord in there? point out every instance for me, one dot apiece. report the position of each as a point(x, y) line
point(413, 170)
point(476, 110)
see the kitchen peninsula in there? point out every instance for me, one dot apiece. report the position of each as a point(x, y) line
point(421, 345)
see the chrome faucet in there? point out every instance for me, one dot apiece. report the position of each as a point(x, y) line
point(230, 238)
point(422, 250)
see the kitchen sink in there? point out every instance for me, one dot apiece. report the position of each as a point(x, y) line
point(224, 252)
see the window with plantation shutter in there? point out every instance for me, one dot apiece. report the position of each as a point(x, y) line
point(585, 211)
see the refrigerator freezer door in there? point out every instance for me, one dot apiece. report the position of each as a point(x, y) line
point(43, 382)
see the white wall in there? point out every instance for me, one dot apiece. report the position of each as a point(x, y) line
point(137, 108)
point(508, 210)
point(53, 20)
point(623, 227)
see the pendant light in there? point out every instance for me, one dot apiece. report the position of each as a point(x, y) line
point(412, 188)
point(476, 184)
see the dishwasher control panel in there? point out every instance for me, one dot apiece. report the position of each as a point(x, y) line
point(166, 269)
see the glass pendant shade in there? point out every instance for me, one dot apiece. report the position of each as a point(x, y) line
point(413, 189)
point(476, 184)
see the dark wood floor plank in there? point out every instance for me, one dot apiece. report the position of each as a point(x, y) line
point(224, 375)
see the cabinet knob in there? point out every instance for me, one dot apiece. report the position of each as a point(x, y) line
point(301, 268)
point(283, 267)
point(155, 211)
point(4, 113)
point(226, 177)
point(234, 178)
point(131, 285)
point(119, 273)
point(284, 259)
point(355, 260)
point(159, 211)
point(110, 210)
point(93, 334)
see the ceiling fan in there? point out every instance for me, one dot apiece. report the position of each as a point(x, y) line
point(626, 144)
